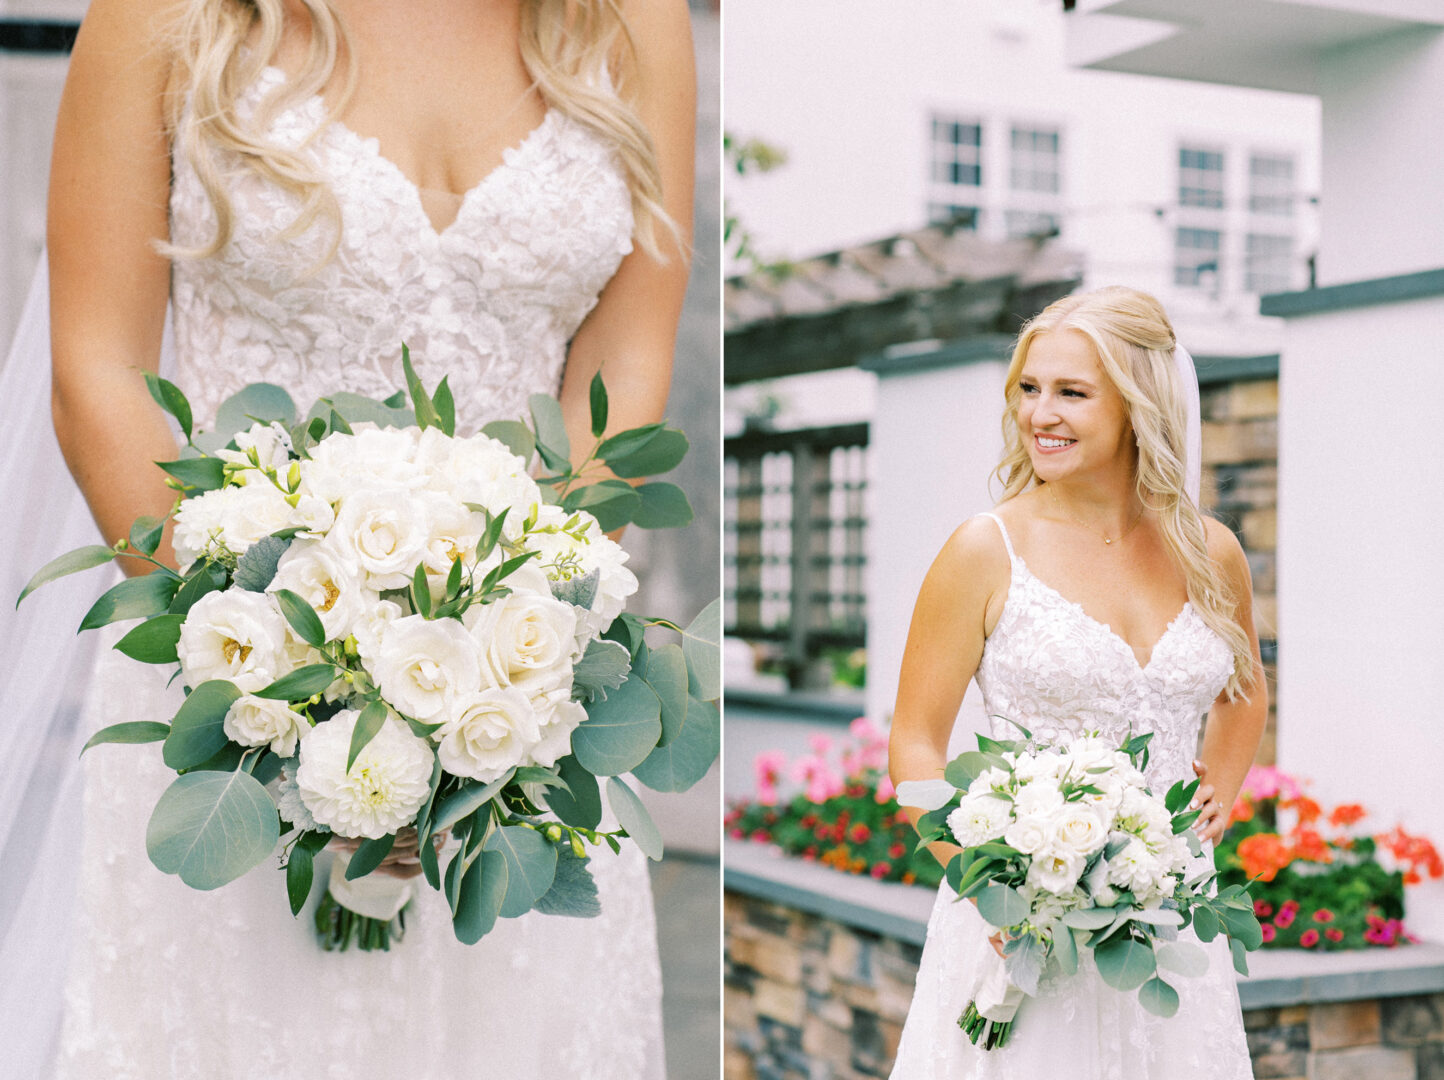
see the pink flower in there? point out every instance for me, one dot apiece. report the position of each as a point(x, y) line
point(880, 870)
point(1323, 915)
point(821, 779)
point(885, 789)
point(820, 744)
point(1269, 933)
point(1333, 933)
point(768, 767)
point(1309, 939)
point(1267, 782)
point(1285, 918)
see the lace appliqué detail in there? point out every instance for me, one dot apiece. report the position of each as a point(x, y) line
point(1058, 672)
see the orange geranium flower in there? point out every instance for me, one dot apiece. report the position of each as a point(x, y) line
point(1308, 810)
point(1242, 809)
point(1346, 814)
point(1311, 846)
point(1263, 855)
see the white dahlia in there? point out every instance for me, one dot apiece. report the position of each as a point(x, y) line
point(384, 788)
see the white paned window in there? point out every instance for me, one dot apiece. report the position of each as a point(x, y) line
point(1200, 178)
point(1271, 184)
point(1030, 223)
point(957, 152)
point(1268, 263)
point(1196, 257)
point(1034, 164)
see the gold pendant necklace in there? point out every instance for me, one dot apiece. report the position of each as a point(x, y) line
point(1136, 519)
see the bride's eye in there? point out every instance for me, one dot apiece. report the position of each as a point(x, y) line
point(1074, 393)
point(1027, 387)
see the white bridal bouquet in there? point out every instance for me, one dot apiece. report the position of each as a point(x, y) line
point(1065, 849)
point(386, 630)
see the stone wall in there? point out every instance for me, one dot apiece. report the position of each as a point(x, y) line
point(810, 998)
point(1240, 487)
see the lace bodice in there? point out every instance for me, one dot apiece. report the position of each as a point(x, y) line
point(492, 300)
point(1057, 671)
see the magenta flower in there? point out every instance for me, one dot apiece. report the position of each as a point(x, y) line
point(768, 767)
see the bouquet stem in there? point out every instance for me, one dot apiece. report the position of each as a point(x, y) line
point(989, 1034)
point(338, 927)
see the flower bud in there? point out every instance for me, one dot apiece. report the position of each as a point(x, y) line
point(293, 477)
point(578, 848)
point(554, 833)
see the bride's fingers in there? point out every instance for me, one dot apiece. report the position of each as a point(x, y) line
point(1199, 768)
point(1202, 796)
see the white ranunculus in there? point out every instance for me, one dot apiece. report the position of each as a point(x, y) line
point(1028, 835)
point(271, 444)
point(318, 573)
point(1038, 798)
point(978, 819)
point(558, 716)
point(570, 553)
point(1078, 828)
point(383, 790)
point(235, 635)
point(491, 731)
point(1055, 871)
point(341, 465)
point(425, 667)
point(386, 531)
point(527, 641)
point(257, 721)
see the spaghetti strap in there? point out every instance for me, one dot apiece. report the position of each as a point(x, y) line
point(1007, 540)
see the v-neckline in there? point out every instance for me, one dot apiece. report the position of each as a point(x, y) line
point(1143, 668)
point(371, 145)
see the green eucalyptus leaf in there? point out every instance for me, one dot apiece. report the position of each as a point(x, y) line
point(551, 431)
point(1158, 997)
point(1065, 950)
point(1124, 964)
point(258, 402)
point(211, 827)
point(133, 598)
point(632, 815)
point(1239, 951)
point(619, 731)
point(131, 731)
point(1182, 958)
point(514, 435)
point(531, 864)
point(198, 731)
point(1002, 905)
point(665, 671)
point(686, 758)
point(580, 804)
point(480, 897)
point(702, 646)
point(467, 799)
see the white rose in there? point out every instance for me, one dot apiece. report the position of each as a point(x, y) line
point(1056, 871)
point(257, 721)
point(313, 514)
point(454, 533)
point(978, 819)
point(1038, 798)
point(424, 668)
point(1029, 835)
point(320, 574)
point(558, 716)
point(369, 630)
point(383, 790)
point(1046, 765)
point(527, 641)
point(1078, 828)
point(386, 531)
point(341, 465)
point(257, 510)
point(491, 731)
point(235, 635)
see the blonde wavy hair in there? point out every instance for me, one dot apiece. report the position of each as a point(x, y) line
point(1134, 342)
point(579, 54)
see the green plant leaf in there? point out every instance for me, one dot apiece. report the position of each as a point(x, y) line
point(256, 569)
point(1002, 905)
point(1065, 950)
point(70, 563)
point(445, 406)
point(258, 402)
point(702, 646)
point(169, 397)
point(480, 897)
point(145, 534)
point(611, 502)
point(1025, 964)
point(620, 731)
point(1239, 951)
point(133, 598)
point(1089, 918)
point(686, 759)
point(598, 402)
point(664, 506)
point(1158, 997)
point(627, 442)
point(1124, 964)
point(1181, 957)
point(198, 731)
point(467, 799)
point(369, 854)
point(153, 641)
point(357, 409)
point(531, 864)
point(632, 815)
point(200, 473)
point(661, 453)
point(368, 725)
point(579, 589)
point(1242, 925)
point(131, 731)
point(302, 617)
point(426, 414)
point(602, 668)
point(203, 578)
point(1178, 796)
point(573, 892)
point(665, 671)
point(580, 805)
point(514, 435)
point(211, 827)
point(300, 872)
point(1205, 923)
point(551, 431)
point(301, 683)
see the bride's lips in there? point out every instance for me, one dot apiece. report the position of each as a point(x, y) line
point(1038, 438)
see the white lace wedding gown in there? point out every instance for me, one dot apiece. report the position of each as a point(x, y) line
point(1058, 672)
point(166, 982)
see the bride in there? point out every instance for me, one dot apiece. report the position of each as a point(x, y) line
point(1095, 597)
point(506, 186)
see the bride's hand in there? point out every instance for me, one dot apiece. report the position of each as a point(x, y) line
point(1211, 818)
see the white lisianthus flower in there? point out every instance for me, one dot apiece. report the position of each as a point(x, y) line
point(313, 514)
point(991, 779)
point(385, 531)
point(341, 465)
point(978, 819)
point(317, 572)
point(1056, 871)
point(527, 641)
point(478, 469)
point(1028, 835)
point(558, 716)
point(1047, 765)
point(490, 731)
point(256, 511)
point(1135, 868)
point(271, 445)
point(1038, 798)
point(257, 721)
point(1079, 829)
point(454, 533)
point(384, 788)
point(235, 635)
point(424, 668)
point(583, 548)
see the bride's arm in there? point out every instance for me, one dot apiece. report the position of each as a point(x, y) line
point(630, 334)
point(1234, 729)
point(109, 181)
point(944, 646)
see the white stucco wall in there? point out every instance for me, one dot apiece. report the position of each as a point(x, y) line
point(936, 438)
point(1361, 583)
